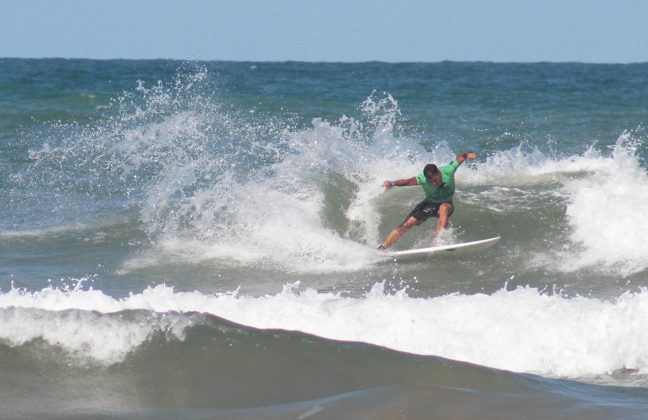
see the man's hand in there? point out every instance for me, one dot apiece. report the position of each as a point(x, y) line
point(387, 184)
point(469, 154)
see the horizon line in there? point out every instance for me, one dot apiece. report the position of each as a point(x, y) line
point(329, 61)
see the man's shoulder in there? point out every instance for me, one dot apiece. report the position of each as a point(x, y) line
point(421, 179)
point(450, 167)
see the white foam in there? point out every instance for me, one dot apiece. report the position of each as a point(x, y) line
point(522, 330)
point(605, 197)
point(85, 334)
point(42, 232)
point(524, 167)
point(191, 165)
point(277, 217)
point(607, 211)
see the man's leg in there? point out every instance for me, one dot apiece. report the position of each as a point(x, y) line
point(396, 233)
point(445, 211)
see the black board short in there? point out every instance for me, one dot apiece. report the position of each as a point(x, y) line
point(426, 209)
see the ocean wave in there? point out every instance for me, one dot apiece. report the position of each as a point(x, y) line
point(212, 183)
point(521, 330)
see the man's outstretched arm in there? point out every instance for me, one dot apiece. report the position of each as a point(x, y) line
point(400, 182)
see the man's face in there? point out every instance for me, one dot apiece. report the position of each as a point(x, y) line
point(435, 179)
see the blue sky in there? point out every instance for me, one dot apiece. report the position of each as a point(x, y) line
point(328, 30)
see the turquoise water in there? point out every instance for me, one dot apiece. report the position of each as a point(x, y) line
point(200, 238)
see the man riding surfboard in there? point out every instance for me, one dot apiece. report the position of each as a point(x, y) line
point(439, 187)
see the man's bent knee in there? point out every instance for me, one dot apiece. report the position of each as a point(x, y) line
point(411, 221)
point(446, 209)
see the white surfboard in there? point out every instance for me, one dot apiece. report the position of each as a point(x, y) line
point(460, 248)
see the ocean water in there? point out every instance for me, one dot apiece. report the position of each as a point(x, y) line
point(198, 240)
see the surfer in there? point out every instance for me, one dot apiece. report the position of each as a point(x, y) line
point(439, 186)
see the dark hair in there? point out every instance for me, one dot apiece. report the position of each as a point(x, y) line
point(430, 170)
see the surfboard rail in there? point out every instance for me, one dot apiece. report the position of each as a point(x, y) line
point(472, 246)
